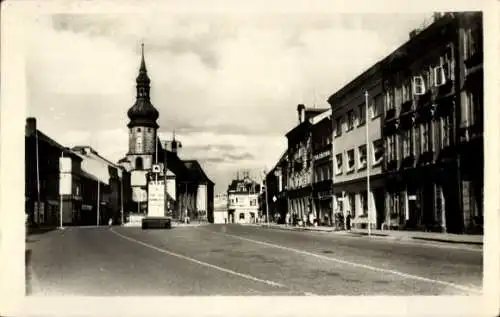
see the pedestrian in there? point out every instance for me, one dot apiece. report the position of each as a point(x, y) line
point(110, 222)
point(348, 221)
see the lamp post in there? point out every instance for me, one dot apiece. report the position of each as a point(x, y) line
point(367, 162)
point(60, 199)
point(267, 205)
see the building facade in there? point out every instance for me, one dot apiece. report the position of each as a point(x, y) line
point(88, 184)
point(276, 184)
point(242, 197)
point(322, 156)
point(300, 165)
point(355, 152)
point(189, 191)
point(433, 123)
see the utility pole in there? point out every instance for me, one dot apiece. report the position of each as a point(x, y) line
point(267, 205)
point(98, 200)
point(368, 159)
point(61, 200)
point(121, 197)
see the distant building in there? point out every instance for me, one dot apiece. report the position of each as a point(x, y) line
point(243, 196)
point(220, 208)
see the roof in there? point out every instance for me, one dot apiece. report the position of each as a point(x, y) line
point(244, 185)
point(44, 138)
point(196, 172)
point(323, 115)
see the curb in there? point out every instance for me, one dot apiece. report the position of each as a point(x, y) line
point(448, 241)
point(377, 235)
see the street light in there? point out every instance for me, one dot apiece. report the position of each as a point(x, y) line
point(368, 156)
point(267, 205)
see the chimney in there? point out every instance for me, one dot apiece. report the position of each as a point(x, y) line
point(300, 110)
point(437, 16)
point(30, 126)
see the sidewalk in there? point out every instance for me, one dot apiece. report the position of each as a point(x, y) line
point(393, 234)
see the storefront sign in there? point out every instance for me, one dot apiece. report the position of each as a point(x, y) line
point(65, 187)
point(322, 155)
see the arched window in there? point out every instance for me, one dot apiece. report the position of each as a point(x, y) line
point(138, 163)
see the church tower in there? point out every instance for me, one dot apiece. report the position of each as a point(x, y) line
point(142, 126)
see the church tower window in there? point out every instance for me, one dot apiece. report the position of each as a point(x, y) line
point(138, 163)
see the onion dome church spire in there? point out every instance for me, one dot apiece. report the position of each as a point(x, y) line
point(143, 113)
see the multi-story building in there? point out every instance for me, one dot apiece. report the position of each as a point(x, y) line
point(109, 180)
point(300, 164)
point(322, 156)
point(276, 184)
point(93, 179)
point(355, 153)
point(433, 127)
point(43, 201)
point(220, 208)
point(242, 197)
point(189, 190)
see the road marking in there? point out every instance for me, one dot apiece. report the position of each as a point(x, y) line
point(368, 267)
point(246, 276)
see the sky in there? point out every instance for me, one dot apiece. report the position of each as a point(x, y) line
point(228, 84)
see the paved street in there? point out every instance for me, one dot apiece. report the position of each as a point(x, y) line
point(242, 260)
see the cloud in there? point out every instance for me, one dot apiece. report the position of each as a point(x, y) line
point(227, 84)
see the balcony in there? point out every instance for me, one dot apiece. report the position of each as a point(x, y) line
point(390, 114)
point(407, 120)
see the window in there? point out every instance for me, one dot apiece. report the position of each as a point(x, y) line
point(361, 114)
point(440, 75)
point(350, 160)
point(138, 145)
point(406, 143)
point(378, 151)
point(232, 200)
point(418, 85)
point(449, 62)
point(472, 111)
point(425, 137)
point(391, 148)
point(350, 120)
point(338, 164)
point(362, 156)
point(242, 216)
point(253, 202)
point(149, 129)
point(138, 129)
point(338, 126)
point(376, 105)
point(472, 42)
point(351, 208)
point(406, 92)
point(138, 163)
point(389, 100)
point(363, 203)
point(416, 144)
point(236, 199)
point(445, 132)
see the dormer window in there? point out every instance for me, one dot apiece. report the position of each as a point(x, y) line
point(138, 129)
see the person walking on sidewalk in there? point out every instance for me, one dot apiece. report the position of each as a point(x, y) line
point(348, 221)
